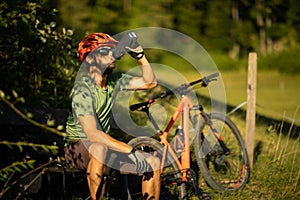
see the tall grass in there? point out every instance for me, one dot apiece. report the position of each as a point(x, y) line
point(276, 170)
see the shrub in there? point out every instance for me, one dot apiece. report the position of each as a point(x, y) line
point(287, 61)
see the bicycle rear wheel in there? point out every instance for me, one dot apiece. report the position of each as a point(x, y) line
point(171, 185)
point(223, 172)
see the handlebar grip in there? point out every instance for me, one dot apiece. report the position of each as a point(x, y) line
point(214, 75)
point(138, 105)
point(205, 80)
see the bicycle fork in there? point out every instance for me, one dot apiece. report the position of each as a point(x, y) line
point(217, 135)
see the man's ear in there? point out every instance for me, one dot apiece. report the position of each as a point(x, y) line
point(89, 59)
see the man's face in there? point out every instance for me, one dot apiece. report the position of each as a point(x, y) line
point(105, 59)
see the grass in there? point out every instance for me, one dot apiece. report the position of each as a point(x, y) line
point(276, 170)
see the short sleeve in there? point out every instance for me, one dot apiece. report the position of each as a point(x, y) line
point(120, 81)
point(124, 81)
point(82, 100)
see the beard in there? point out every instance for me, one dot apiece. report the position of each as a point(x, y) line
point(109, 69)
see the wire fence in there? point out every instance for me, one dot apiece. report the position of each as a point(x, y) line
point(272, 112)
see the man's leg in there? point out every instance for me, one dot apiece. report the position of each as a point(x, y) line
point(151, 181)
point(95, 168)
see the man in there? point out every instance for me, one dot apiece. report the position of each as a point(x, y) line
point(88, 141)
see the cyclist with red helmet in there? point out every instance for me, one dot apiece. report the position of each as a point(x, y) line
point(88, 141)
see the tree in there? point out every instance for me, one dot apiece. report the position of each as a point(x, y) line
point(218, 23)
point(36, 60)
point(293, 20)
point(190, 18)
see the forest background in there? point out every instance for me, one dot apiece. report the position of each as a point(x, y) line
point(39, 38)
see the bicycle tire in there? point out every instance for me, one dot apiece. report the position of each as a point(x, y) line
point(224, 173)
point(169, 190)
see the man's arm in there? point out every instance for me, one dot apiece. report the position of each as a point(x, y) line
point(89, 126)
point(147, 80)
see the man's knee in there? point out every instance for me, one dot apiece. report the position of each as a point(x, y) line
point(98, 151)
point(154, 162)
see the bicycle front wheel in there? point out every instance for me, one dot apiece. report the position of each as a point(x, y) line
point(171, 185)
point(223, 171)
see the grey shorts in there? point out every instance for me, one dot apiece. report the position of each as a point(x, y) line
point(77, 156)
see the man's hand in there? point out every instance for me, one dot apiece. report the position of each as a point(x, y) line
point(128, 43)
point(140, 161)
point(136, 53)
point(134, 48)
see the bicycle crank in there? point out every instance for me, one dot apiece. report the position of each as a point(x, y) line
point(192, 178)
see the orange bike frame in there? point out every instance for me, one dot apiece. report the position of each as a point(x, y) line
point(183, 163)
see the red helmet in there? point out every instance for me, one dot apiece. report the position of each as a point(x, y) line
point(93, 41)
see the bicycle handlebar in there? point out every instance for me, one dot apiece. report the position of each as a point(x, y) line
point(204, 83)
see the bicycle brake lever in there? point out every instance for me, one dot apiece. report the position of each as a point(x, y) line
point(205, 82)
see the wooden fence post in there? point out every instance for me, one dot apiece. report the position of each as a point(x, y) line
point(251, 103)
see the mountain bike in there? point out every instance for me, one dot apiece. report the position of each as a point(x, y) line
point(218, 146)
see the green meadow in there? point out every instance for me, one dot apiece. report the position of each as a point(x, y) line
point(278, 95)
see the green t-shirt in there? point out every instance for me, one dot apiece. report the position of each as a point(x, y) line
point(89, 99)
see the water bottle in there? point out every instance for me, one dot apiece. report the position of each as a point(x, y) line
point(179, 139)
